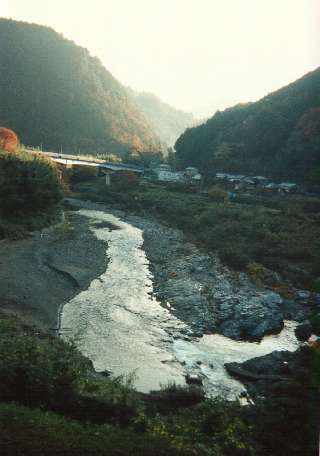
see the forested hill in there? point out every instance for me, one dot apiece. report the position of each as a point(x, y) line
point(167, 121)
point(278, 136)
point(54, 93)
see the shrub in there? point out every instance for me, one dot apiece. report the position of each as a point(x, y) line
point(8, 140)
point(217, 193)
point(174, 396)
point(38, 371)
point(233, 255)
point(28, 183)
point(125, 180)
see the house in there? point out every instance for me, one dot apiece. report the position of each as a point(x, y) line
point(171, 176)
point(222, 176)
point(197, 177)
point(195, 180)
point(284, 187)
point(164, 167)
point(272, 186)
point(260, 181)
point(287, 187)
point(189, 175)
point(247, 183)
point(191, 171)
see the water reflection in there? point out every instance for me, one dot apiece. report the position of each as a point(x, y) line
point(119, 325)
point(116, 322)
point(209, 355)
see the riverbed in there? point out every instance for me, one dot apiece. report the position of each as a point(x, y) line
point(119, 324)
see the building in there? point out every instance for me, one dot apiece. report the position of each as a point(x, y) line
point(247, 183)
point(164, 167)
point(171, 176)
point(191, 171)
point(287, 187)
point(190, 175)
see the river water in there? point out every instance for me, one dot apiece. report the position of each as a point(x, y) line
point(121, 327)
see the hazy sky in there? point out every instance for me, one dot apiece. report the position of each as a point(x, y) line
point(191, 53)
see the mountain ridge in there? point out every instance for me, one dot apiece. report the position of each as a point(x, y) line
point(277, 136)
point(167, 121)
point(55, 93)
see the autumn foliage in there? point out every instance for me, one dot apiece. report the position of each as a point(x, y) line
point(217, 193)
point(8, 140)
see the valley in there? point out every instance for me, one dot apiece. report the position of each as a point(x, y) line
point(159, 275)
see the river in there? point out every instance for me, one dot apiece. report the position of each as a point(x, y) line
point(121, 327)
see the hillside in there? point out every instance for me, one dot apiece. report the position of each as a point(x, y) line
point(167, 121)
point(54, 93)
point(278, 136)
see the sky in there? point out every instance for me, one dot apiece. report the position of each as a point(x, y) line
point(197, 55)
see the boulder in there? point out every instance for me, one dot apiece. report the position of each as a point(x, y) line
point(252, 317)
point(236, 370)
point(303, 331)
point(231, 329)
point(272, 325)
point(280, 373)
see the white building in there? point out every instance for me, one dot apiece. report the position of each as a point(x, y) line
point(171, 176)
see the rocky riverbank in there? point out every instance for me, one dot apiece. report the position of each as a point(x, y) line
point(199, 297)
point(42, 272)
point(121, 325)
point(209, 297)
point(205, 294)
point(277, 374)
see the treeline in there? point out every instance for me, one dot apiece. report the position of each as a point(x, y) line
point(278, 136)
point(54, 94)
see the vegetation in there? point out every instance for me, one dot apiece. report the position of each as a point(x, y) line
point(47, 105)
point(30, 192)
point(166, 121)
point(276, 233)
point(217, 193)
point(278, 136)
point(8, 140)
point(52, 402)
point(125, 181)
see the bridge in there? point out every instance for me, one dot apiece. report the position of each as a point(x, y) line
point(70, 160)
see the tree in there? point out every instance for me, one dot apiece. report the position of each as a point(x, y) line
point(223, 151)
point(217, 193)
point(8, 140)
